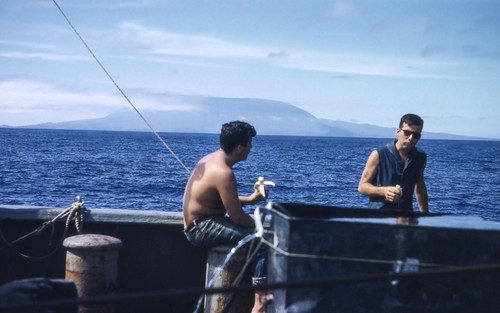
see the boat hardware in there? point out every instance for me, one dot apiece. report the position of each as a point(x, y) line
point(75, 211)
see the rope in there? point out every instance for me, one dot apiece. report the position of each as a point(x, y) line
point(250, 255)
point(252, 251)
point(219, 269)
point(347, 259)
point(119, 89)
point(274, 246)
point(74, 212)
point(176, 292)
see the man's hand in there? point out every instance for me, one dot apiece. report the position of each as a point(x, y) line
point(393, 193)
point(257, 196)
point(261, 184)
point(252, 199)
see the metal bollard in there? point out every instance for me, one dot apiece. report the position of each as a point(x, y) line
point(91, 263)
point(215, 303)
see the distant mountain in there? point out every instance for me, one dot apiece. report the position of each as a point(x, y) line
point(373, 131)
point(206, 115)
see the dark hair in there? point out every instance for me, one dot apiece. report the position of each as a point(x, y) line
point(411, 119)
point(234, 133)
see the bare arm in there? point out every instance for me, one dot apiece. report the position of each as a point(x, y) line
point(227, 188)
point(366, 186)
point(421, 192)
point(254, 198)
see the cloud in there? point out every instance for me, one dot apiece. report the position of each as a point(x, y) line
point(36, 47)
point(31, 93)
point(341, 77)
point(25, 102)
point(41, 56)
point(147, 100)
point(277, 55)
point(29, 44)
point(154, 44)
point(177, 61)
point(157, 41)
point(29, 97)
point(358, 64)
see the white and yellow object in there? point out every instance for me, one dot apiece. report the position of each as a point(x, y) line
point(261, 184)
point(400, 190)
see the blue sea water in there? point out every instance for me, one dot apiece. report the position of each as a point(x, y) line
point(134, 170)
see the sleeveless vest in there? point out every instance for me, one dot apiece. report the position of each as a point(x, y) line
point(392, 171)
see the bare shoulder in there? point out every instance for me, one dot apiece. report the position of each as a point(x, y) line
point(213, 167)
point(373, 158)
point(370, 167)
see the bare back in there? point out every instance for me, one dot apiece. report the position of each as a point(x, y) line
point(202, 196)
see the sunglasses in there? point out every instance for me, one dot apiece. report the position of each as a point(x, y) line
point(407, 133)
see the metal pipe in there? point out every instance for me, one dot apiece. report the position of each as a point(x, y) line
point(92, 264)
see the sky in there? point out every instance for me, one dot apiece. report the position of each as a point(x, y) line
point(365, 61)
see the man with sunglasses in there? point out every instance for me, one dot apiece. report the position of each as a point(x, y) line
point(395, 171)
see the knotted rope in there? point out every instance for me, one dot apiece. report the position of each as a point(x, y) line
point(74, 212)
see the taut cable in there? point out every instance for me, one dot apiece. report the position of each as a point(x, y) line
point(119, 89)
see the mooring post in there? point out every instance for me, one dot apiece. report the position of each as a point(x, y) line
point(91, 263)
point(215, 303)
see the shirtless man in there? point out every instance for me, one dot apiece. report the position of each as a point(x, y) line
point(213, 213)
point(394, 172)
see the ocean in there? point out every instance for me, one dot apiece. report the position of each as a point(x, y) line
point(134, 170)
